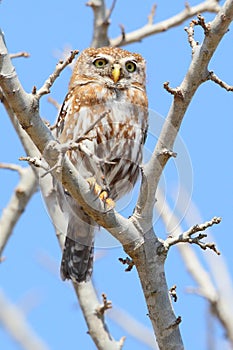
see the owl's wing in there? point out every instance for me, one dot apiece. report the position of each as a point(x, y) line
point(77, 257)
point(59, 125)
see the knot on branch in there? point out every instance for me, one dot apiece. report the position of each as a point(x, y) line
point(176, 92)
point(127, 261)
point(33, 161)
point(168, 153)
point(93, 4)
point(106, 305)
point(172, 292)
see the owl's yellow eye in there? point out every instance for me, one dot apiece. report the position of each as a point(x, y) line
point(100, 62)
point(130, 66)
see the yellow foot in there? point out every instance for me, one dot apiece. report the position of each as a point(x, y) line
point(94, 186)
point(102, 194)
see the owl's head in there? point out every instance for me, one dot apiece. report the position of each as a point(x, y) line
point(113, 67)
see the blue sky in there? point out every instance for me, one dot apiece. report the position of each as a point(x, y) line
point(30, 274)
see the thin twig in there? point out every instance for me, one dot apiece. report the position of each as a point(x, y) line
point(190, 31)
point(173, 91)
point(220, 82)
point(122, 28)
point(151, 15)
point(20, 54)
point(33, 161)
point(107, 304)
point(186, 237)
point(45, 89)
point(201, 22)
point(54, 102)
point(70, 145)
point(109, 12)
point(218, 298)
point(151, 29)
point(97, 327)
point(14, 167)
point(12, 212)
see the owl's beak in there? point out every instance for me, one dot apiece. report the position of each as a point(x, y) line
point(116, 72)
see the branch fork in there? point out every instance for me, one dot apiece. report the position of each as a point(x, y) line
point(186, 237)
point(207, 31)
point(176, 92)
point(200, 21)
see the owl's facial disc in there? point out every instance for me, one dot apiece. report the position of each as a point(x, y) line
point(114, 69)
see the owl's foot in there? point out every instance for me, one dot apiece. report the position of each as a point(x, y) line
point(102, 194)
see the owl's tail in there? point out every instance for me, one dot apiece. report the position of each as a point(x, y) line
point(77, 261)
point(77, 258)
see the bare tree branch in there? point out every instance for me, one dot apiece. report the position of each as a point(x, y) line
point(220, 82)
point(151, 15)
point(196, 75)
point(26, 187)
point(151, 172)
point(219, 304)
point(101, 23)
point(20, 54)
point(151, 29)
point(110, 11)
point(45, 89)
point(131, 237)
point(13, 167)
point(13, 320)
point(26, 108)
point(96, 325)
point(186, 237)
point(16, 206)
point(136, 234)
point(54, 102)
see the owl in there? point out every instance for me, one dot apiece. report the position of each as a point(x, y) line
point(105, 113)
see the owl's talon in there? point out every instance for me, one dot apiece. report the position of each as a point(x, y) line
point(94, 186)
point(110, 204)
point(102, 194)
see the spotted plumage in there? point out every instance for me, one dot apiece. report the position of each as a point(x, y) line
point(107, 84)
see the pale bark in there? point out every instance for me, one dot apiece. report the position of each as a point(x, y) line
point(14, 321)
point(136, 234)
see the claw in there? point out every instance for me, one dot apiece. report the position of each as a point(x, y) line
point(102, 194)
point(110, 204)
point(94, 186)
